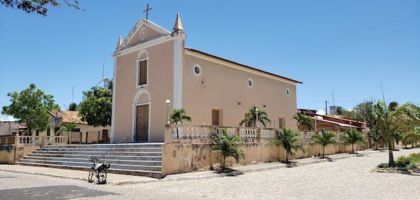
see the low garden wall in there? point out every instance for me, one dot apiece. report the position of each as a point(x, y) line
point(194, 153)
point(9, 154)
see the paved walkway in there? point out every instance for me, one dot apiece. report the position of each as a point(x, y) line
point(119, 179)
point(344, 177)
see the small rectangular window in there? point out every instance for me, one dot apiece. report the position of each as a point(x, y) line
point(142, 76)
point(282, 122)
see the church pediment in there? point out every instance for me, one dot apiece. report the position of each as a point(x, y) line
point(144, 31)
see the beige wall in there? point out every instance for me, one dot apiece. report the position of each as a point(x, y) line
point(187, 157)
point(160, 59)
point(218, 87)
point(222, 87)
point(21, 151)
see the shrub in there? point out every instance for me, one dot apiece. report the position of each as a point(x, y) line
point(228, 145)
point(383, 165)
point(403, 161)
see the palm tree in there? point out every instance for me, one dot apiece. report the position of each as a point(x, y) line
point(412, 137)
point(394, 117)
point(254, 116)
point(324, 139)
point(304, 122)
point(228, 145)
point(383, 116)
point(289, 140)
point(67, 128)
point(178, 117)
point(353, 137)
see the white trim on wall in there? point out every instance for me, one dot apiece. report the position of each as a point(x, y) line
point(177, 93)
point(114, 88)
point(138, 60)
point(144, 45)
point(138, 94)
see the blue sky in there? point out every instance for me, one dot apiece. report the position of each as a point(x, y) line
point(349, 47)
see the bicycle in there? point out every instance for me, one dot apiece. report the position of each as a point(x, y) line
point(99, 170)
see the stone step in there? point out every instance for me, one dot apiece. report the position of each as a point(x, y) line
point(89, 164)
point(154, 174)
point(112, 157)
point(98, 153)
point(112, 161)
point(102, 149)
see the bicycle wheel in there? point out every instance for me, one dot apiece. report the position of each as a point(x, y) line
point(90, 176)
point(102, 176)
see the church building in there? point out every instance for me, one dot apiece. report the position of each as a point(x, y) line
point(154, 72)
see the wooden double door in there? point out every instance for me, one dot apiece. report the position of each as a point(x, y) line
point(142, 123)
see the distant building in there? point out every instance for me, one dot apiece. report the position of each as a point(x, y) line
point(11, 128)
point(334, 122)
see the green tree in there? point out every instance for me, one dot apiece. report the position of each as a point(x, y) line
point(254, 116)
point(342, 111)
point(73, 107)
point(227, 145)
point(364, 112)
point(304, 122)
point(289, 140)
point(412, 137)
point(324, 139)
point(38, 6)
point(178, 117)
point(32, 107)
point(353, 137)
point(67, 128)
point(96, 106)
point(376, 137)
point(394, 118)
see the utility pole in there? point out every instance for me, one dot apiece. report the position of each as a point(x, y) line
point(326, 107)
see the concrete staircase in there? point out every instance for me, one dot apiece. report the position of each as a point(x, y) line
point(143, 159)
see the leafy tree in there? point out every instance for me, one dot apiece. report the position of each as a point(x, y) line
point(254, 116)
point(364, 112)
point(353, 137)
point(38, 6)
point(342, 111)
point(324, 139)
point(73, 107)
point(178, 117)
point(32, 107)
point(376, 137)
point(304, 122)
point(96, 106)
point(228, 145)
point(67, 128)
point(396, 134)
point(289, 140)
point(412, 137)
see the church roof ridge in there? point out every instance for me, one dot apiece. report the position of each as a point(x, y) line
point(242, 65)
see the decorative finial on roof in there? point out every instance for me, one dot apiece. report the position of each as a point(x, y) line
point(178, 28)
point(120, 42)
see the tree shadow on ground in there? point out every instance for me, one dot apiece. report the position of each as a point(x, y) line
point(228, 172)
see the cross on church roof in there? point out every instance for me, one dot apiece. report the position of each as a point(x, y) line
point(147, 11)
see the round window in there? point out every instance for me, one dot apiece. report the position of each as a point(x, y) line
point(287, 92)
point(250, 83)
point(197, 70)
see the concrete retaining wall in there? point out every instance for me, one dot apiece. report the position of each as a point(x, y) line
point(181, 157)
point(10, 155)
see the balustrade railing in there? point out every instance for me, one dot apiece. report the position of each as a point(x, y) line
point(204, 132)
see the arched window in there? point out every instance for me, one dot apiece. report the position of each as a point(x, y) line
point(287, 92)
point(142, 66)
